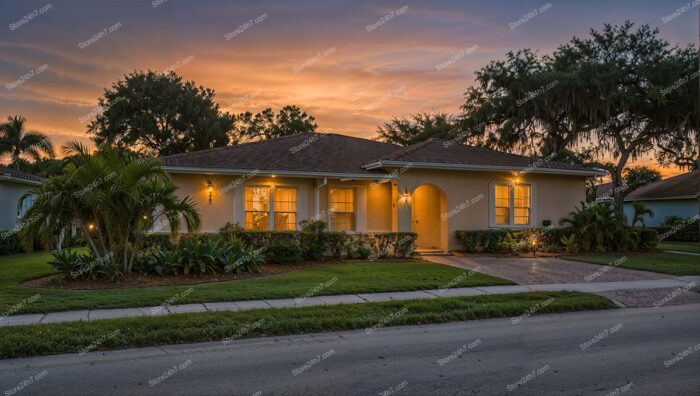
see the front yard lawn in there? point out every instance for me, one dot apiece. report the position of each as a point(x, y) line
point(665, 263)
point(690, 247)
point(329, 279)
point(220, 326)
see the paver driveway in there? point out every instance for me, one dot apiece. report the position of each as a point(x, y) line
point(537, 271)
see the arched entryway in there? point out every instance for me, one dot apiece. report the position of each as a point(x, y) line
point(428, 204)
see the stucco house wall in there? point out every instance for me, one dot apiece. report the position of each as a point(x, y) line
point(685, 208)
point(10, 194)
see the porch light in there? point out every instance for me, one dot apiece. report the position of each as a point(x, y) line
point(405, 197)
point(210, 188)
point(516, 180)
point(91, 226)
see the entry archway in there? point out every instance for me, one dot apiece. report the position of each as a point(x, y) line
point(428, 204)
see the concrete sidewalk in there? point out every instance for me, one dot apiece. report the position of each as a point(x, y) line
point(90, 315)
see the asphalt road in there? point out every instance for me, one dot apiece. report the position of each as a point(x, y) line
point(630, 351)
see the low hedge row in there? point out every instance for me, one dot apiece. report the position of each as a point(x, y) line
point(291, 247)
point(9, 243)
point(687, 233)
point(546, 239)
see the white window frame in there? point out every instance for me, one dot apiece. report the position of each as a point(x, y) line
point(511, 201)
point(271, 205)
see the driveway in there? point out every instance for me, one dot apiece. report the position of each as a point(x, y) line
point(538, 271)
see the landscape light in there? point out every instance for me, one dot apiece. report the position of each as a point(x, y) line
point(210, 188)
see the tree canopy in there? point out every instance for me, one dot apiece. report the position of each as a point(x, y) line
point(159, 114)
point(290, 120)
point(623, 88)
point(417, 128)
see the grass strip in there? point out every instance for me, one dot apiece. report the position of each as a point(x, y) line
point(327, 279)
point(75, 337)
point(664, 263)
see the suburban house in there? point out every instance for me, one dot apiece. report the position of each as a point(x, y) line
point(13, 185)
point(675, 196)
point(433, 188)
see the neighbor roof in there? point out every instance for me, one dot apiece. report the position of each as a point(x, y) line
point(446, 154)
point(681, 186)
point(332, 154)
point(19, 176)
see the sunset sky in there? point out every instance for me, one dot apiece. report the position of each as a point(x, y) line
point(334, 59)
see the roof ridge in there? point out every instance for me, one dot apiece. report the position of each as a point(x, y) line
point(239, 144)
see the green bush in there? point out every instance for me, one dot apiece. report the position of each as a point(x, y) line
point(677, 229)
point(9, 243)
point(648, 237)
point(236, 257)
point(284, 253)
point(84, 266)
point(199, 255)
point(335, 243)
point(484, 241)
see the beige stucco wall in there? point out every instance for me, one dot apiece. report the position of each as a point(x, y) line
point(554, 196)
point(378, 204)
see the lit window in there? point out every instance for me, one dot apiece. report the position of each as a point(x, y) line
point(502, 204)
point(285, 209)
point(257, 208)
point(521, 204)
point(342, 202)
point(512, 204)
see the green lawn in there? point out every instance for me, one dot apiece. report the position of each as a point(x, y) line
point(690, 247)
point(665, 263)
point(361, 277)
point(218, 326)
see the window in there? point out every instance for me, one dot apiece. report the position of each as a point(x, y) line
point(257, 208)
point(342, 206)
point(285, 209)
point(26, 204)
point(512, 204)
point(521, 204)
point(502, 204)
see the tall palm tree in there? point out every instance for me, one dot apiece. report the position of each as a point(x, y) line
point(113, 197)
point(16, 142)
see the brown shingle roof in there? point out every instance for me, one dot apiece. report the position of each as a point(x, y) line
point(310, 152)
point(685, 185)
point(15, 174)
point(439, 151)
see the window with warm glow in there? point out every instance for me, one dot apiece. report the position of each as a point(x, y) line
point(285, 209)
point(342, 205)
point(257, 208)
point(502, 204)
point(512, 204)
point(521, 204)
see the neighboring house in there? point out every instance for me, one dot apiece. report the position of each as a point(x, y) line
point(675, 196)
point(13, 185)
point(357, 185)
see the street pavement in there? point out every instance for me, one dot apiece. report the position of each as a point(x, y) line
point(645, 351)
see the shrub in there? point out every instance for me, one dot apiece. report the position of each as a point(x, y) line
point(598, 228)
point(284, 253)
point(9, 243)
point(199, 255)
point(84, 266)
point(648, 237)
point(679, 230)
point(335, 242)
point(484, 241)
point(314, 251)
point(236, 257)
point(67, 261)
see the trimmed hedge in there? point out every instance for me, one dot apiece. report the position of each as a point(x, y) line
point(312, 246)
point(688, 233)
point(547, 239)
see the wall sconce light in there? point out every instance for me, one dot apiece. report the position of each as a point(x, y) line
point(405, 197)
point(516, 180)
point(91, 226)
point(210, 188)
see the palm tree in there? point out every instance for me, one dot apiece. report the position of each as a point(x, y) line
point(16, 142)
point(113, 197)
point(639, 212)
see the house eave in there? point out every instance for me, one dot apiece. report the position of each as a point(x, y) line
point(270, 172)
point(20, 180)
point(678, 197)
point(488, 168)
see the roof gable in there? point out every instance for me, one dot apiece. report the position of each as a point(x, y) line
point(685, 185)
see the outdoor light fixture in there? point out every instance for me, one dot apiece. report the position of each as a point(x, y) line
point(210, 188)
point(534, 247)
point(405, 197)
point(517, 179)
point(91, 226)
